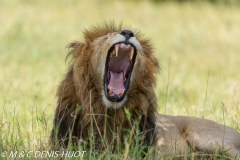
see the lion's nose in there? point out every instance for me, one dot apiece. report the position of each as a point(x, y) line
point(127, 34)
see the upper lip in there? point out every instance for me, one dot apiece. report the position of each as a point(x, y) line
point(118, 68)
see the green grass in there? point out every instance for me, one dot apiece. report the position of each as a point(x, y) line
point(197, 45)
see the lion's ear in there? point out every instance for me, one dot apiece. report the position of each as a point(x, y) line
point(75, 48)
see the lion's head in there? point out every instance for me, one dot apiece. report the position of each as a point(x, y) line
point(119, 60)
point(113, 68)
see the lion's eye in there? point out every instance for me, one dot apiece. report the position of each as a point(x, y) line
point(105, 38)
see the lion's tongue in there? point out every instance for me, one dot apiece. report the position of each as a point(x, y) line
point(116, 83)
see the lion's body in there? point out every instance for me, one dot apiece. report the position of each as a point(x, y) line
point(83, 107)
point(182, 134)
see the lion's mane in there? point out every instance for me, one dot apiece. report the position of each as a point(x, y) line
point(80, 109)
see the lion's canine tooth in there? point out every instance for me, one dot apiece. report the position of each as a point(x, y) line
point(110, 91)
point(121, 93)
point(131, 54)
point(125, 80)
point(116, 50)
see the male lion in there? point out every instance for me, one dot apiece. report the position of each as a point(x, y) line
point(114, 71)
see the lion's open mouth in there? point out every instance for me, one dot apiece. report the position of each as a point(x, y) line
point(118, 68)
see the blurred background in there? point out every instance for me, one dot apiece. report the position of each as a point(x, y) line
point(197, 43)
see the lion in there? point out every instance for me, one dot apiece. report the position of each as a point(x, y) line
point(113, 73)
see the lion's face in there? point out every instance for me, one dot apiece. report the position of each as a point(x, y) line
point(117, 62)
point(115, 55)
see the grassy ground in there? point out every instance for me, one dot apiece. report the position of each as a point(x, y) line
point(197, 44)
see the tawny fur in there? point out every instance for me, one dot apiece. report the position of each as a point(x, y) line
point(81, 109)
point(80, 93)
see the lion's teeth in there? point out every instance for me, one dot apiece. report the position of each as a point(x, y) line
point(110, 91)
point(116, 50)
point(121, 93)
point(125, 80)
point(131, 54)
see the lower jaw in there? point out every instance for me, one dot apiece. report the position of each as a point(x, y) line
point(114, 105)
point(111, 96)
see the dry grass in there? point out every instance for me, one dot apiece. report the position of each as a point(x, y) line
point(197, 44)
